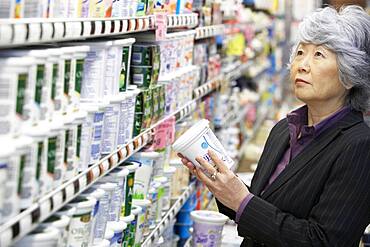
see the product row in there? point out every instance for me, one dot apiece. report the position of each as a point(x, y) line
point(89, 8)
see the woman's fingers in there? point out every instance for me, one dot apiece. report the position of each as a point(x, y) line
point(218, 162)
point(209, 168)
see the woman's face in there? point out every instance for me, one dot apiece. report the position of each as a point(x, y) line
point(314, 73)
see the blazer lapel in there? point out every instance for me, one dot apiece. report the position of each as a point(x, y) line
point(313, 149)
point(269, 161)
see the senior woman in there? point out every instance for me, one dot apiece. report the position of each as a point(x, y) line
point(312, 183)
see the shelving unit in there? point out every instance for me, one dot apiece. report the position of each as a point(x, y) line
point(16, 32)
point(170, 214)
point(209, 31)
point(26, 221)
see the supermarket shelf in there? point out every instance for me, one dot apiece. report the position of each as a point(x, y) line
point(208, 87)
point(166, 219)
point(26, 221)
point(183, 20)
point(209, 31)
point(238, 69)
point(31, 31)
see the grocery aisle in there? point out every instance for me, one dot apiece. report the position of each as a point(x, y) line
point(93, 95)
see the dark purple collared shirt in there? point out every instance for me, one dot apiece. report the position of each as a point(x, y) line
point(300, 136)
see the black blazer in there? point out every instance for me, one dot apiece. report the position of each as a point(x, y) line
point(322, 198)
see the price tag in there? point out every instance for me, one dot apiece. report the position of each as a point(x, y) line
point(161, 26)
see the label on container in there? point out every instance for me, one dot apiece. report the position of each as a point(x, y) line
point(102, 217)
point(126, 209)
point(123, 77)
point(21, 96)
point(26, 182)
point(117, 239)
point(121, 138)
point(109, 141)
point(110, 65)
point(10, 205)
point(18, 9)
point(79, 74)
point(70, 152)
point(67, 76)
point(97, 131)
point(131, 241)
point(93, 75)
point(52, 157)
point(148, 108)
point(54, 88)
point(39, 166)
point(80, 228)
point(131, 102)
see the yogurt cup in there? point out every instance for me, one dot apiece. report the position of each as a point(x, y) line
point(9, 200)
point(136, 211)
point(110, 126)
point(163, 188)
point(207, 227)
point(80, 118)
point(57, 81)
point(41, 237)
point(81, 222)
point(118, 229)
point(141, 225)
point(152, 209)
point(144, 172)
point(132, 167)
point(128, 233)
point(102, 243)
point(99, 212)
point(70, 144)
point(168, 172)
point(27, 151)
point(122, 118)
point(62, 224)
point(197, 140)
point(113, 199)
point(18, 94)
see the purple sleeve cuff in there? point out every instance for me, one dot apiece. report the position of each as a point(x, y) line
point(242, 206)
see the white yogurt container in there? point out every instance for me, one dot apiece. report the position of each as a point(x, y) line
point(118, 229)
point(134, 92)
point(122, 119)
point(69, 77)
point(102, 243)
point(81, 222)
point(69, 159)
point(114, 207)
point(9, 175)
point(111, 124)
point(141, 225)
point(130, 181)
point(55, 163)
point(168, 172)
point(80, 118)
point(111, 82)
point(207, 227)
point(162, 194)
point(62, 224)
point(17, 88)
point(27, 152)
point(100, 212)
point(66, 210)
point(144, 173)
point(57, 83)
point(119, 176)
point(136, 211)
point(41, 237)
point(196, 142)
point(155, 197)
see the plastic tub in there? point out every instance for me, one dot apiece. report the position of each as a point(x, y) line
point(161, 195)
point(142, 226)
point(118, 229)
point(129, 232)
point(197, 140)
point(41, 237)
point(169, 173)
point(9, 200)
point(207, 227)
point(99, 212)
point(113, 199)
point(80, 118)
point(152, 209)
point(122, 119)
point(119, 176)
point(144, 173)
point(14, 78)
point(110, 126)
point(81, 222)
point(132, 167)
point(62, 224)
point(70, 144)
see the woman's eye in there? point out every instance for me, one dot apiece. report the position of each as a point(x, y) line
point(318, 54)
point(299, 53)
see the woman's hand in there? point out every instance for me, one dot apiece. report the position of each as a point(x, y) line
point(224, 184)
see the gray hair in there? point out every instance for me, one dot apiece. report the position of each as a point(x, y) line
point(347, 34)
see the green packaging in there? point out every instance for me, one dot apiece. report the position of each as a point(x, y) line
point(139, 112)
point(156, 103)
point(162, 100)
point(142, 76)
point(123, 77)
point(148, 108)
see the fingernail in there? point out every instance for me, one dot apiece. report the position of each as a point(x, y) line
point(179, 155)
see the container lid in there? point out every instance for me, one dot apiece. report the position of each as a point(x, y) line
point(117, 98)
point(55, 51)
point(141, 202)
point(68, 210)
point(108, 186)
point(108, 234)
point(169, 170)
point(58, 221)
point(162, 180)
point(69, 119)
point(17, 61)
point(57, 123)
point(128, 219)
point(83, 202)
point(119, 172)
point(41, 233)
point(89, 107)
point(190, 135)
point(131, 166)
point(81, 50)
point(151, 155)
point(135, 210)
point(123, 42)
point(42, 53)
point(206, 216)
point(102, 243)
point(80, 115)
point(38, 131)
point(94, 192)
point(117, 226)
point(22, 141)
point(68, 50)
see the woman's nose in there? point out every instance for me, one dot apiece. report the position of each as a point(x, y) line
point(304, 65)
